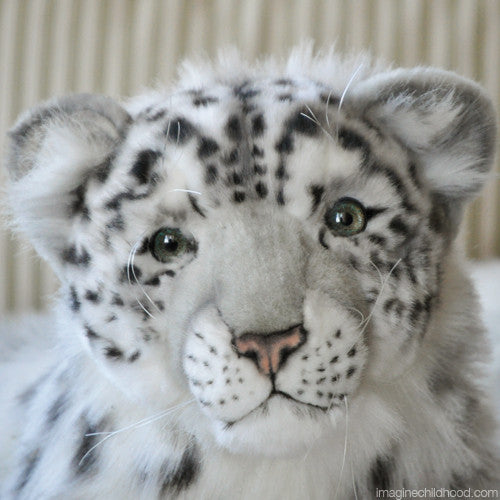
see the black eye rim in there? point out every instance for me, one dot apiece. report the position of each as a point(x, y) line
point(186, 244)
point(346, 200)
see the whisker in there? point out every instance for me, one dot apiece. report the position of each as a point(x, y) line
point(130, 267)
point(345, 448)
point(136, 425)
point(315, 120)
point(384, 282)
point(342, 97)
point(137, 281)
point(326, 108)
point(184, 191)
point(357, 311)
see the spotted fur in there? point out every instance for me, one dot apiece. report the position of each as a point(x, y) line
point(272, 357)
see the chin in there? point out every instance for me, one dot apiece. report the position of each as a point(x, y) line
point(277, 428)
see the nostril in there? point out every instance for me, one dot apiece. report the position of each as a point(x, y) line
point(270, 350)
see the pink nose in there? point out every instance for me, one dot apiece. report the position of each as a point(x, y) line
point(269, 351)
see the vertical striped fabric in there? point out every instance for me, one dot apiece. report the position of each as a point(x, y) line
point(117, 47)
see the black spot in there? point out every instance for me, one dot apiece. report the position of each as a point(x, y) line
point(259, 169)
point(117, 300)
point(143, 165)
point(194, 205)
point(377, 239)
point(416, 312)
point(113, 352)
point(236, 178)
point(354, 263)
point(179, 130)
point(257, 152)
point(74, 257)
point(178, 478)
point(352, 352)
point(74, 300)
point(85, 460)
point(317, 192)
point(283, 81)
point(304, 124)
point(211, 174)
point(351, 140)
point(338, 333)
point(258, 128)
point(412, 169)
point(334, 359)
point(130, 273)
point(233, 128)
point(245, 93)
point(350, 372)
point(116, 224)
point(207, 147)
point(92, 296)
point(239, 196)
point(380, 474)
point(90, 333)
point(102, 171)
point(78, 205)
point(231, 158)
point(398, 226)
point(30, 462)
point(261, 189)
point(56, 409)
point(204, 100)
point(281, 172)
point(134, 357)
point(153, 282)
point(285, 97)
point(280, 197)
point(285, 144)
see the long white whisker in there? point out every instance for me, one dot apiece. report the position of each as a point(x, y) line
point(184, 191)
point(345, 448)
point(315, 120)
point(326, 108)
point(342, 97)
point(136, 425)
point(129, 267)
point(134, 250)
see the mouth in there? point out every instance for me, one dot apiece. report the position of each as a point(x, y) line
point(299, 407)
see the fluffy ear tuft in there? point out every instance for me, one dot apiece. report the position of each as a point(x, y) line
point(54, 149)
point(446, 120)
point(97, 120)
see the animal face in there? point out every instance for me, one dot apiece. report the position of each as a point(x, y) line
point(263, 249)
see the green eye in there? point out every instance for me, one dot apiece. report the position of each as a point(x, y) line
point(346, 217)
point(169, 243)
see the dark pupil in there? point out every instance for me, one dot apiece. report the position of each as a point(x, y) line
point(170, 244)
point(344, 218)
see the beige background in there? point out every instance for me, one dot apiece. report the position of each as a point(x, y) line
point(116, 47)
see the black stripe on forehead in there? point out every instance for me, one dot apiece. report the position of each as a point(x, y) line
point(394, 179)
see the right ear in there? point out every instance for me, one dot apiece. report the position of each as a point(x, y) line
point(55, 148)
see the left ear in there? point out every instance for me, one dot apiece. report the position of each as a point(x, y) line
point(446, 120)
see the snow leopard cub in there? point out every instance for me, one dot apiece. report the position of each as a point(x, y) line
point(261, 295)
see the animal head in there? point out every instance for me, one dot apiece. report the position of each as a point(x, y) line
point(262, 243)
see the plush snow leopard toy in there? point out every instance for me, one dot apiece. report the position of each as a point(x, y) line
point(261, 296)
